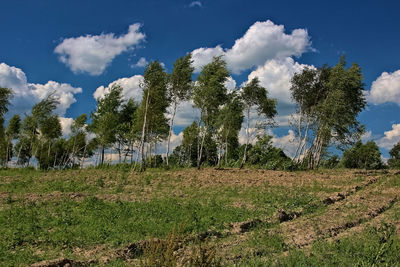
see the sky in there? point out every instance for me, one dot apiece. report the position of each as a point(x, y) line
point(78, 48)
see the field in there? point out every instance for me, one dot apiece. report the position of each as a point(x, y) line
point(199, 218)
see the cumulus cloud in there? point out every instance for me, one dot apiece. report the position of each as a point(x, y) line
point(230, 84)
point(130, 88)
point(202, 56)
point(93, 53)
point(27, 94)
point(386, 88)
point(390, 137)
point(64, 92)
point(263, 41)
point(286, 143)
point(275, 76)
point(66, 125)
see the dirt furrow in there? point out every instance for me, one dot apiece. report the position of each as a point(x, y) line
point(340, 217)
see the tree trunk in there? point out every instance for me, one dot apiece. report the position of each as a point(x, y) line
point(201, 148)
point(102, 155)
point(143, 167)
point(247, 139)
point(83, 157)
point(170, 131)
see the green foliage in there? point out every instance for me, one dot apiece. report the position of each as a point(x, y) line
point(5, 95)
point(210, 91)
point(186, 154)
point(209, 95)
point(329, 101)
point(180, 80)
point(155, 96)
point(265, 155)
point(229, 122)
point(394, 161)
point(363, 156)
point(254, 95)
point(331, 162)
point(105, 118)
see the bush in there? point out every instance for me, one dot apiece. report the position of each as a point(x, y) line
point(331, 162)
point(363, 156)
point(265, 155)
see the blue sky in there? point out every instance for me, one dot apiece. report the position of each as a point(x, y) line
point(34, 48)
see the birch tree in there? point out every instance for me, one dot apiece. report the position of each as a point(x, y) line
point(105, 118)
point(329, 101)
point(179, 89)
point(5, 95)
point(151, 113)
point(209, 95)
point(229, 123)
point(255, 97)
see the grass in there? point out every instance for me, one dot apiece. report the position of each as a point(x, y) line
point(47, 215)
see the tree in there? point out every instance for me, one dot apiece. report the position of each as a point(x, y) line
point(77, 144)
point(105, 118)
point(229, 122)
point(179, 89)
point(363, 156)
point(50, 132)
point(125, 133)
point(256, 96)
point(265, 155)
point(5, 95)
point(37, 127)
point(151, 113)
point(329, 101)
point(209, 95)
point(12, 133)
point(186, 152)
point(394, 161)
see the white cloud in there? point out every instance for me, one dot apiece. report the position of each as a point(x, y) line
point(131, 88)
point(202, 56)
point(286, 143)
point(93, 53)
point(367, 136)
point(65, 93)
point(386, 88)
point(275, 75)
point(66, 125)
point(263, 41)
point(230, 84)
point(142, 62)
point(195, 4)
point(390, 138)
point(186, 114)
point(27, 94)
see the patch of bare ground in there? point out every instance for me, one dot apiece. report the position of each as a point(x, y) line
point(61, 262)
point(249, 177)
point(385, 217)
point(342, 195)
point(340, 216)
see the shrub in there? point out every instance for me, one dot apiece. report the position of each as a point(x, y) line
point(363, 156)
point(265, 155)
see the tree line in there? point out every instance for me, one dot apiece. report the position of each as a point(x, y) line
point(328, 101)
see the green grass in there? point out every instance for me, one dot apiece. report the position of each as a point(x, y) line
point(118, 207)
